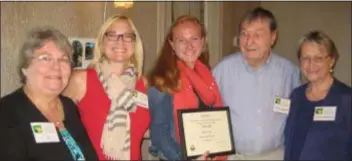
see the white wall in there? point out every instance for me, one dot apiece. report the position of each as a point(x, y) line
point(297, 18)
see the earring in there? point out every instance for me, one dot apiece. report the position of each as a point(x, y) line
point(331, 70)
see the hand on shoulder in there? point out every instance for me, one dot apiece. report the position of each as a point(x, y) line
point(76, 87)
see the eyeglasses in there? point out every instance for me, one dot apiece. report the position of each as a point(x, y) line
point(318, 60)
point(125, 37)
point(48, 59)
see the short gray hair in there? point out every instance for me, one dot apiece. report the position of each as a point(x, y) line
point(37, 38)
point(259, 13)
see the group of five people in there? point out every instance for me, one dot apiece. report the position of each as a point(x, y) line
point(104, 111)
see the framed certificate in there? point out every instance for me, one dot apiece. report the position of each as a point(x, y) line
point(205, 129)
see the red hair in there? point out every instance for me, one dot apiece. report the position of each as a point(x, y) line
point(165, 76)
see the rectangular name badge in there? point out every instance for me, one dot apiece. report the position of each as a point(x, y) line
point(324, 113)
point(282, 105)
point(44, 132)
point(141, 99)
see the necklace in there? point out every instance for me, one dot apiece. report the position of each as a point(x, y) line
point(59, 121)
point(318, 94)
point(53, 112)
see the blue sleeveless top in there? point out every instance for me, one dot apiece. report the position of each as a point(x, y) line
point(72, 145)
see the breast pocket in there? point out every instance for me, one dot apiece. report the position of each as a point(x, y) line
point(279, 89)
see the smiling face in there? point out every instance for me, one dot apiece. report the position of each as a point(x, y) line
point(187, 42)
point(49, 70)
point(315, 62)
point(256, 39)
point(119, 41)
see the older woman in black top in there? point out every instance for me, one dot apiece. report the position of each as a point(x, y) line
point(36, 122)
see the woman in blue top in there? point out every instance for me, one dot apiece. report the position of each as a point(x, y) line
point(319, 122)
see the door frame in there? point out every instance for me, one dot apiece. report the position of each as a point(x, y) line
point(212, 21)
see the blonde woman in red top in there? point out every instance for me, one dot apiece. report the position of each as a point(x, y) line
point(110, 92)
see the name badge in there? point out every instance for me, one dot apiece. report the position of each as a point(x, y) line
point(324, 113)
point(44, 132)
point(141, 99)
point(282, 105)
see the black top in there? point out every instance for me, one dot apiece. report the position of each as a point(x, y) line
point(17, 140)
point(306, 139)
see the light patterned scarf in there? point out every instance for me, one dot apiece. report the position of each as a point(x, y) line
point(115, 140)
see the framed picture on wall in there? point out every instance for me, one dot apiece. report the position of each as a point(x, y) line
point(83, 51)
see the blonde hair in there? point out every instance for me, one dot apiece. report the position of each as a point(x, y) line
point(137, 57)
point(323, 40)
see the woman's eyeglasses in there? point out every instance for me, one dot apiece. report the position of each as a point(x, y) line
point(128, 37)
point(48, 59)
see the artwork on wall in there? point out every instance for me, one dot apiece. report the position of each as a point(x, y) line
point(83, 51)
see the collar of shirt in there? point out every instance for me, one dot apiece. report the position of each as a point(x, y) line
point(265, 65)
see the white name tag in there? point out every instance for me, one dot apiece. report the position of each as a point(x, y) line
point(324, 113)
point(282, 105)
point(141, 99)
point(44, 132)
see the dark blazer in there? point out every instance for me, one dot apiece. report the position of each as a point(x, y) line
point(306, 139)
point(17, 141)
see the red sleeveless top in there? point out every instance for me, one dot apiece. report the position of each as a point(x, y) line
point(94, 107)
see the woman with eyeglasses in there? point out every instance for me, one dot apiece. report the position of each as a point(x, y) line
point(319, 124)
point(110, 93)
point(37, 123)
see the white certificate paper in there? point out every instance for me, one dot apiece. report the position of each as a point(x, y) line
point(206, 130)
